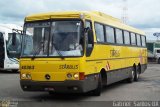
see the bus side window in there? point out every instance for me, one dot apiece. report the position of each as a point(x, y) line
point(110, 34)
point(127, 38)
point(138, 40)
point(143, 41)
point(99, 29)
point(88, 25)
point(119, 36)
point(133, 39)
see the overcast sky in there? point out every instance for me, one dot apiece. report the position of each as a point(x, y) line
point(143, 14)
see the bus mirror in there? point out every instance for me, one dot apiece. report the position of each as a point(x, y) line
point(89, 43)
point(13, 38)
point(90, 37)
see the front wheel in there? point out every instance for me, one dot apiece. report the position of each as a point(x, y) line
point(97, 91)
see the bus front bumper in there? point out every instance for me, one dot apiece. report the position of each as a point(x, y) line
point(67, 86)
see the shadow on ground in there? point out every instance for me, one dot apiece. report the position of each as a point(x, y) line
point(8, 72)
point(75, 97)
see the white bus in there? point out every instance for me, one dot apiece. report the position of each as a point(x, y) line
point(10, 47)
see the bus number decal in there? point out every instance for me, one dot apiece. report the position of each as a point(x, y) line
point(27, 67)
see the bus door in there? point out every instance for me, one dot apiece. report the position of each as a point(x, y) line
point(1, 50)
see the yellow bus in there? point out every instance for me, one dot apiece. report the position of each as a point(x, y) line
point(79, 51)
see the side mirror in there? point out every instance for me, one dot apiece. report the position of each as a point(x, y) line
point(90, 37)
point(13, 38)
point(89, 42)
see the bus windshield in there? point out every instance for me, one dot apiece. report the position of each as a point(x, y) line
point(53, 39)
point(14, 50)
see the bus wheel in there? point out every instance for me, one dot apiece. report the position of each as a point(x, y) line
point(131, 78)
point(137, 71)
point(97, 91)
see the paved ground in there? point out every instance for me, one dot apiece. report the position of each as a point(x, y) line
point(147, 89)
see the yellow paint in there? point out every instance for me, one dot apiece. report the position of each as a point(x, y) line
point(126, 57)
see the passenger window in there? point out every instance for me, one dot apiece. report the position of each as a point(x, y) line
point(119, 36)
point(138, 40)
point(88, 24)
point(143, 41)
point(127, 38)
point(133, 39)
point(99, 32)
point(110, 34)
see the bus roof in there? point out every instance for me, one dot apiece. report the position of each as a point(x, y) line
point(94, 15)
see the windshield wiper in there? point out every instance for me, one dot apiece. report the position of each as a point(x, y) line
point(36, 50)
point(59, 53)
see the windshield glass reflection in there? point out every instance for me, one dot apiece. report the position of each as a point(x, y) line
point(56, 39)
point(14, 49)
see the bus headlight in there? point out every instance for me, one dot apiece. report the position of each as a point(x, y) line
point(26, 76)
point(76, 76)
point(23, 75)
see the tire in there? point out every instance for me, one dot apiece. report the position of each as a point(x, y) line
point(97, 91)
point(137, 71)
point(159, 61)
point(131, 79)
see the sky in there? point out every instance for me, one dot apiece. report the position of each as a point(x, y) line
point(142, 14)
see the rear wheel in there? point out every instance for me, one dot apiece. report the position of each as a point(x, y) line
point(137, 72)
point(97, 91)
point(131, 78)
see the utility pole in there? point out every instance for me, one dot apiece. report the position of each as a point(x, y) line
point(124, 15)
